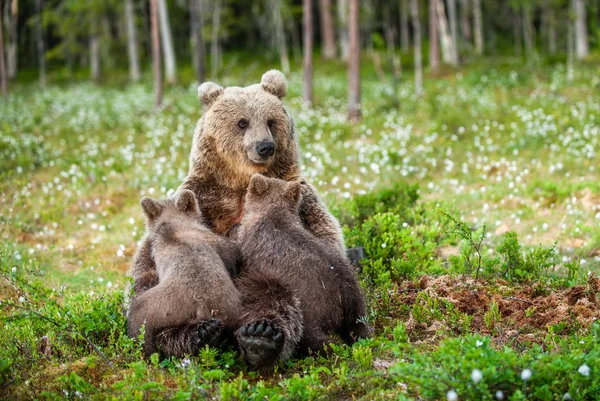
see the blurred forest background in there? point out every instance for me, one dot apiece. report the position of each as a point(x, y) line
point(98, 39)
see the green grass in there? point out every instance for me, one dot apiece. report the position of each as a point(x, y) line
point(496, 144)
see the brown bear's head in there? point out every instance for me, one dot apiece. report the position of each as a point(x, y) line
point(167, 215)
point(272, 195)
point(245, 130)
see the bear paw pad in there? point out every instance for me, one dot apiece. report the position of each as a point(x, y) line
point(261, 341)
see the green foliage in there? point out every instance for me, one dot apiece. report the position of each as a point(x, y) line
point(395, 251)
point(519, 268)
point(397, 199)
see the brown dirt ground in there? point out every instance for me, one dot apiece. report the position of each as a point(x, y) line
point(525, 311)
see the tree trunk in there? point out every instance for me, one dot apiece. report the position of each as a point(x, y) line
point(465, 23)
point(94, 50)
point(448, 46)
point(581, 34)
point(404, 35)
point(453, 28)
point(517, 33)
point(570, 50)
point(12, 16)
point(3, 89)
point(134, 61)
point(41, 43)
point(478, 27)
point(167, 43)
point(327, 31)
point(528, 34)
point(214, 41)
point(342, 11)
point(198, 40)
point(354, 113)
point(156, 57)
point(277, 21)
point(551, 31)
point(307, 33)
point(434, 40)
point(416, 24)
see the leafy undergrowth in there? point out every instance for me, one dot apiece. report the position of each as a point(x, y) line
point(503, 327)
point(478, 206)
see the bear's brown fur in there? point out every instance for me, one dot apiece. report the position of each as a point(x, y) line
point(225, 155)
point(298, 292)
point(195, 297)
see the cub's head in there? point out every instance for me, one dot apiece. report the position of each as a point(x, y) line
point(165, 215)
point(266, 195)
point(246, 130)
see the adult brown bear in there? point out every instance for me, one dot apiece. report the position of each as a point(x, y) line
point(243, 131)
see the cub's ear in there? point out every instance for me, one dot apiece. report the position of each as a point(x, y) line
point(209, 92)
point(292, 193)
point(258, 185)
point(152, 209)
point(274, 82)
point(186, 201)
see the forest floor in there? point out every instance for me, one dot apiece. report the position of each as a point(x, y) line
point(478, 206)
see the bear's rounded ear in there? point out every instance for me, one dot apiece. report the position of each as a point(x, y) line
point(152, 209)
point(209, 92)
point(292, 193)
point(258, 185)
point(186, 201)
point(274, 82)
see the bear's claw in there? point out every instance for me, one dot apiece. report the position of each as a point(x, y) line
point(209, 332)
point(261, 341)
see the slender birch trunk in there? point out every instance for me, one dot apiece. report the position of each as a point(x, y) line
point(449, 55)
point(41, 42)
point(198, 53)
point(581, 35)
point(354, 113)
point(132, 51)
point(12, 17)
point(570, 50)
point(478, 27)
point(94, 49)
point(453, 29)
point(167, 43)
point(280, 41)
point(3, 85)
point(342, 10)
point(551, 31)
point(404, 35)
point(434, 40)
point(327, 31)
point(517, 33)
point(307, 36)
point(465, 23)
point(416, 24)
point(156, 56)
point(528, 32)
point(214, 40)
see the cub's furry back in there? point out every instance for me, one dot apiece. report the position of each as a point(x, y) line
point(299, 291)
point(195, 297)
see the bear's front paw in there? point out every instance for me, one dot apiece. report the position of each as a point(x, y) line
point(209, 332)
point(261, 341)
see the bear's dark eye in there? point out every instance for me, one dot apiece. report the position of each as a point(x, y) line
point(270, 123)
point(243, 123)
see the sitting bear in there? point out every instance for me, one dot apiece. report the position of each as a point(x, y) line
point(195, 297)
point(298, 292)
point(243, 131)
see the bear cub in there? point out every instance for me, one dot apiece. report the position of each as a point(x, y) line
point(195, 298)
point(299, 292)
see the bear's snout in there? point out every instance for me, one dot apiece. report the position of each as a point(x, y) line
point(265, 149)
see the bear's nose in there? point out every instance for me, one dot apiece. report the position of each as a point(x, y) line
point(265, 149)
